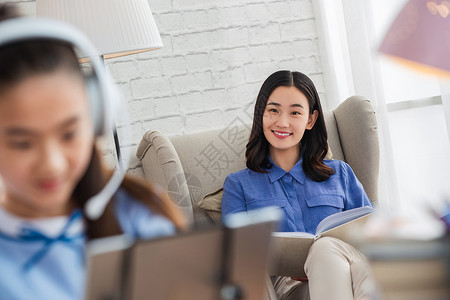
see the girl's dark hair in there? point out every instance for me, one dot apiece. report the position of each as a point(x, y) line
point(95, 178)
point(19, 60)
point(8, 11)
point(23, 59)
point(314, 144)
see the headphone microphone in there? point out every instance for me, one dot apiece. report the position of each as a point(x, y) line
point(103, 95)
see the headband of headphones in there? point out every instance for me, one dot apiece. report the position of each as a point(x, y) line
point(104, 103)
point(102, 93)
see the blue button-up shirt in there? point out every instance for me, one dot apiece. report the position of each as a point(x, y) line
point(305, 202)
point(36, 265)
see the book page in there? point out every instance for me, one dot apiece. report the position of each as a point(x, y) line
point(346, 232)
point(293, 234)
point(342, 218)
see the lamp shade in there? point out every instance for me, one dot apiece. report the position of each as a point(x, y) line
point(116, 27)
point(420, 36)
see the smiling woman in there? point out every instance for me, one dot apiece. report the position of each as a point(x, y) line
point(294, 88)
point(284, 122)
point(286, 168)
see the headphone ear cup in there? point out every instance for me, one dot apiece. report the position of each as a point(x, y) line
point(96, 103)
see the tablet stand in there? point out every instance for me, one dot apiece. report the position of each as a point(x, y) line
point(233, 261)
point(228, 290)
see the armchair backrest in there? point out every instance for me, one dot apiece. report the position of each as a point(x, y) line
point(194, 165)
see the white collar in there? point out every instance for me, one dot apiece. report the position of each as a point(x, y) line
point(12, 225)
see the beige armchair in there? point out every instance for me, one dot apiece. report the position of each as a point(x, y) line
point(195, 165)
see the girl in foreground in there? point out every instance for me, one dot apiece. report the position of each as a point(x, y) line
point(50, 167)
point(286, 168)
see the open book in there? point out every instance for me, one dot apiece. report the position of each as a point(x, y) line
point(290, 249)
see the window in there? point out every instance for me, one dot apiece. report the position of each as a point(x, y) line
point(413, 126)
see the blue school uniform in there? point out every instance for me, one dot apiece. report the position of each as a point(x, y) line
point(305, 202)
point(44, 258)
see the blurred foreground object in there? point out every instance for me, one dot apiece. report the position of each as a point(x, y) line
point(410, 270)
point(226, 262)
point(420, 36)
point(409, 256)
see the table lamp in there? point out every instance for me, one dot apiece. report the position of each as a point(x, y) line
point(116, 27)
point(420, 36)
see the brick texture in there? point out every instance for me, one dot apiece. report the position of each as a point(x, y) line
point(216, 55)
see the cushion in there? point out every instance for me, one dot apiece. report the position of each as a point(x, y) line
point(212, 204)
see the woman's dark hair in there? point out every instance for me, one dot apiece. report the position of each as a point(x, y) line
point(314, 144)
point(24, 59)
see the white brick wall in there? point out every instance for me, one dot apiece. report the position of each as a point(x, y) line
point(216, 55)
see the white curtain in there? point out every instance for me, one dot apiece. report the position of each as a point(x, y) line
point(412, 109)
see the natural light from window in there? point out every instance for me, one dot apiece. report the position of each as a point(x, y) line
point(420, 143)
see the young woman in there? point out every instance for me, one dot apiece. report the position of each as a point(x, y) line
point(50, 167)
point(286, 168)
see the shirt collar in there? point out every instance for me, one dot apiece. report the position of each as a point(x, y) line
point(13, 225)
point(275, 172)
point(297, 171)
